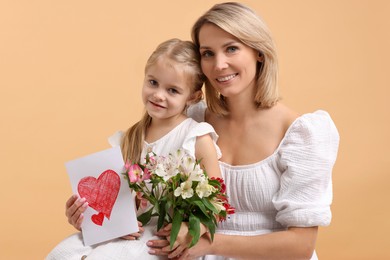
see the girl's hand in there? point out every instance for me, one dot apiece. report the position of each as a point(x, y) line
point(74, 209)
point(137, 235)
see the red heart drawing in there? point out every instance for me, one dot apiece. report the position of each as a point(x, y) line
point(98, 218)
point(100, 193)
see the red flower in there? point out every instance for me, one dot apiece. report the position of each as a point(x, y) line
point(223, 186)
point(229, 209)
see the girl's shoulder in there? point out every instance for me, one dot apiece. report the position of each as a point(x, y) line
point(197, 111)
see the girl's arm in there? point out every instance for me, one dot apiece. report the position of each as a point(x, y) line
point(206, 152)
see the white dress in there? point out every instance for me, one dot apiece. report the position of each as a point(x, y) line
point(182, 136)
point(291, 187)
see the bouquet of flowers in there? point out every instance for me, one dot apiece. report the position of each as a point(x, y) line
point(179, 190)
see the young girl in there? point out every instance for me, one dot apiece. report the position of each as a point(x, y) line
point(173, 81)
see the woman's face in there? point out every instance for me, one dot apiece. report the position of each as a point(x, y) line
point(229, 65)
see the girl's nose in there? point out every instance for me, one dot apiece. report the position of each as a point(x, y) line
point(158, 95)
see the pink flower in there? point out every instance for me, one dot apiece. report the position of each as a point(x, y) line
point(134, 173)
point(143, 203)
point(146, 175)
point(127, 165)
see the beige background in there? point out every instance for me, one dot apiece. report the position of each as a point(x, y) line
point(71, 73)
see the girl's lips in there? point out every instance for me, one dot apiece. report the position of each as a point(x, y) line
point(226, 78)
point(156, 105)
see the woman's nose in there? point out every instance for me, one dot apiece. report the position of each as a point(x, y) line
point(220, 62)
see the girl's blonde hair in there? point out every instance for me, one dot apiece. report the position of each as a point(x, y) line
point(244, 24)
point(182, 55)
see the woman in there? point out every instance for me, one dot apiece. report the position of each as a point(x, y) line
point(277, 164)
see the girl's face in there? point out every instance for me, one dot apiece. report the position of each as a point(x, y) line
point(229, 65)
point(166, 91)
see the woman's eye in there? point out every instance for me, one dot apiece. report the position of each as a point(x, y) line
point(232, 49)
point(206, 54)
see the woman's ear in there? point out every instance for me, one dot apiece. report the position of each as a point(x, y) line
point(260, 57)
point(195, 97)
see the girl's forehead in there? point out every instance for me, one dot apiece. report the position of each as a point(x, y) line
point(170, 72)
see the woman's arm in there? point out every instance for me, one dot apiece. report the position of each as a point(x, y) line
point(294, 243)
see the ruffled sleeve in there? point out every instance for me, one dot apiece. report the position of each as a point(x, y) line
point(116, 139)
point(307, 156)
point(198, 130)
point(197, 111)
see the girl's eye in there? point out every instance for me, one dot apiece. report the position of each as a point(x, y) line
point(206, 54)
point(153, 82)
point(172, 91)
point(232, 49)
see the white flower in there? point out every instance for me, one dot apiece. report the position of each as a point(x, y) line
point(204, 189)
point(185, 190)
point(191, 169)
point(218, 204)
point(177, 156)
point(165, 168)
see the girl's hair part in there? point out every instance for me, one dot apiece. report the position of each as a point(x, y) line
point(244, 24)
point(182, 55)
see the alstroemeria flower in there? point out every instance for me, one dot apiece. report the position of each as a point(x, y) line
point(192, 169)
point(217, 204)
point(127, 165)
point(223, 186)
point(143, 203)
point(229, 209)
point(165, 168)
point(134, 173)
point(146, 175)
point(204, 189)
point(185, 190)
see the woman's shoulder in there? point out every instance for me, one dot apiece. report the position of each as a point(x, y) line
point(312, 128)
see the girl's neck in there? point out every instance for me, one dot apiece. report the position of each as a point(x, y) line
point(160, 127)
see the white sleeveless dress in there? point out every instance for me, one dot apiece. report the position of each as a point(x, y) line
point(72, 248)
point(292, 187)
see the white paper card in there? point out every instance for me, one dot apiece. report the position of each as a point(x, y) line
point(111, 211)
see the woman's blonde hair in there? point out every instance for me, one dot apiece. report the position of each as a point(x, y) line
point(182, 55)
point(244, 24)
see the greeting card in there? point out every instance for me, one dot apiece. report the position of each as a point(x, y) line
point(111, 210)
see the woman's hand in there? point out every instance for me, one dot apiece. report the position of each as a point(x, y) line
point(201, 248)
point(136, 235)
point(74, 209)
point(182, 242)
point(181, 245)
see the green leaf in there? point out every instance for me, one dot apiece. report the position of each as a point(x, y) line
point(201, 207)
point(176, 223)
point(210, 206)
point(161, 215)
point(145, 217)
point(194, 229)
point(210, 223)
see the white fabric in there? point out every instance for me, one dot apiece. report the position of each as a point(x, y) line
point(182, 136)
point(292, 187)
